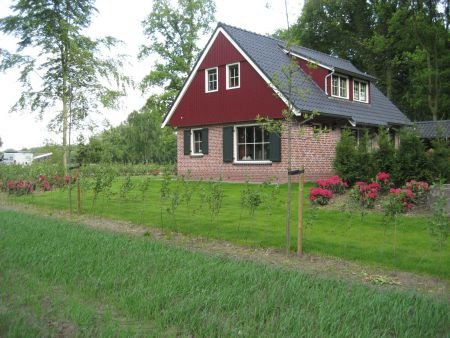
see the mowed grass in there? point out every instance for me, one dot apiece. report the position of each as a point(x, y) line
point(62, 279)
point(367, 239)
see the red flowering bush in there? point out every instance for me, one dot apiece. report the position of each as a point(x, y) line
point(399, 200)
point(382, 179)
point(320, 196)
point(419, 189)
point(43, 183)
point(20, 187)
point(366, 194)
point(334, 183)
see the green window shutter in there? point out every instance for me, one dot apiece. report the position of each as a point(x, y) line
point(205, 140)
point(275, 147)
point(228, 144)
point(187, 141)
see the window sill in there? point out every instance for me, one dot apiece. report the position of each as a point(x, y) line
point(196, 155)
point(252, 162)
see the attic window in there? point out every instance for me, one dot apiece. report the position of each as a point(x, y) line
point(211, 80)
point(339, 86)
point(233, 76)
point(360, 92)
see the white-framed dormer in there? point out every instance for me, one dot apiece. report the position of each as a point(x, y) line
point(340, 86)
point(211, 80)
point(233, 73)
point(360, 91)
point(251, 144)
point(196, 142)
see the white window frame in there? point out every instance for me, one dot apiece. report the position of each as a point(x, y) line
point(207, 80)
point(367, 91)
point(193, 153)
point(236, 146)
point(339, 86)
point(238, 75)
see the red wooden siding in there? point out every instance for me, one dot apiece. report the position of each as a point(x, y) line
point(316, 73)
point(225, 106)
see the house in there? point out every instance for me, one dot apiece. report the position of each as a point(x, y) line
point(241, 75)
point(431, 130)
point(17, 158)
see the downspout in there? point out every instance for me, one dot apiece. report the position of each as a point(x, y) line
point(326, 81)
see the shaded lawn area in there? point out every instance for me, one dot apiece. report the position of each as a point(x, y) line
point(327, 231)
point(62, 279)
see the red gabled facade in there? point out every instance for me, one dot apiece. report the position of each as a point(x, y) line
point(254, 97)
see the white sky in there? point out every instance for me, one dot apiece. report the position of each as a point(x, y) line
point(122, 19)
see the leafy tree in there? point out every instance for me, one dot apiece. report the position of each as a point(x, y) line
point(1, 142)
point(68, 63)
point(173, 32)
point(403, 43)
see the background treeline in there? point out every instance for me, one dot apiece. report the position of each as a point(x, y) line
point(405, 44)
point(139, 139)
point(356, 160)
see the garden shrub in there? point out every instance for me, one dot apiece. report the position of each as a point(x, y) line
point(345, 161)
point(320, 196)
point(384, 157)
point(439, 158)
point(365, 194)
point(382, 178)
point(334, 183)
point(412, 159)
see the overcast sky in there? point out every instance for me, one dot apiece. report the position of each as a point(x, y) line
point(122, 19)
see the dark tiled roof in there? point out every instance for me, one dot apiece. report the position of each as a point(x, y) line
point(268, 55)
point(344, 66)
point(433, 129)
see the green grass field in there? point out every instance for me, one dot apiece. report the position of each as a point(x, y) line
point(330, 231)
point(60, 279)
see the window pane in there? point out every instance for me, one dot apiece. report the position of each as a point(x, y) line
point(258, 134)
point(259, 152)
point(266, 151)
point(241, 135)
point(249, 152)
point(343, 87)
point(241, 151)
point(356, 90)
point(362, 92)
point(249, 135)
point(335, 85)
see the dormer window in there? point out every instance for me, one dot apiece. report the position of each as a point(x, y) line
point(233, 76)
point(211, 80)
point(339, 86)
point(360, 91)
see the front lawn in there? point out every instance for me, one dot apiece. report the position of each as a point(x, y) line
point(63, 279)
point(328, 231)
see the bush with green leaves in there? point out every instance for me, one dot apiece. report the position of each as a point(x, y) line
point(439, 223)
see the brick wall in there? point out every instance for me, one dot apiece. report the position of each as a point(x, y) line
point(316, 153)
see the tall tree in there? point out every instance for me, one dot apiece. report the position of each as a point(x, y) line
point(69, 66)
point(173, 32)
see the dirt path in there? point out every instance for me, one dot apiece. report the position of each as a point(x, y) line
point(320, 266)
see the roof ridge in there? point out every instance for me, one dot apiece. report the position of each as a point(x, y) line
point(282, 41)
point(323, 53)
point(223, 24)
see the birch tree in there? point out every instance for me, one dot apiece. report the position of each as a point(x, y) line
point(61, 69)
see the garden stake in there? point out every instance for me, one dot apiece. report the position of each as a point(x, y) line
point(301, 182)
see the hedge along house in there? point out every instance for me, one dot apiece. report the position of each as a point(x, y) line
point(239, 76)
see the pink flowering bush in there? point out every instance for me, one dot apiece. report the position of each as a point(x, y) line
point(334, 183)
point(320, 196)
point(366, 194)
point(382, 179)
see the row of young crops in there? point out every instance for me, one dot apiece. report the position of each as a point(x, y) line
point(120, 182)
